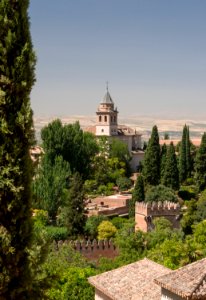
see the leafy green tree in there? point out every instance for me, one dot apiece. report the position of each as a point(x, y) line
point(69, 271)
point(160, 193)
point(17, 64)
point(74, 207)
point(138, 195)
point(75, 146)
point(118, 222)
point(92, 224)
point(49, 185)
point(119, 149)
point(172, 253)
point(171, 173)
point(123, 183)
point(106, 230)
point(163, 158)
point(200, 213)
point(131, 245)
point(151, 167)
point(200, 165)
point(189, 217)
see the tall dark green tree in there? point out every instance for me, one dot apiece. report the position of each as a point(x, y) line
point(171, 173)
point(188, 153)
point(185, 155)
point(163, 156)
point(182, 156)
point(74, 207)
point(151, 167)
point(138, 195)
point(17, 64)
point(200, 165)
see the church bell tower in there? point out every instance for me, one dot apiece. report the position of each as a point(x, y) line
point(107, 123)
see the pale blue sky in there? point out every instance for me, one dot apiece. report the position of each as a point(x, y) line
point(152, 52)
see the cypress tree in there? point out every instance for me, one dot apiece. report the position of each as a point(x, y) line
point(163, 160)
point(151, 167)
point(17, 63)
point(171, 174)
point(74, 208)
point(182, 156)
point(188, 153)
point(138, 195)
point(200, 165)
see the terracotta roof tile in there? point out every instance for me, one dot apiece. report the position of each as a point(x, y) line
point(188, 282)
point(132, 282)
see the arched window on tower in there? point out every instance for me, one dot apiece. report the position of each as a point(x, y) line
point(100, 118)
point(105, 118)
point(111, 119)
point(115, 119)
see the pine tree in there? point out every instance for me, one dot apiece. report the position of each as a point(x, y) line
point(17, 63)
point(151, 167)
point(163, 160)
point(138, 195)
point(200, 165)
point(171, 174)
point(75, 218)
point(182, 156)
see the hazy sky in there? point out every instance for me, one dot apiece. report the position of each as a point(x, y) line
point(152, 52)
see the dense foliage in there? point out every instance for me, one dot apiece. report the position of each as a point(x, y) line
point(17, 63)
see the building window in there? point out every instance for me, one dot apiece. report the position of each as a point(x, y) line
point(100, 118)
point(111, 119)
point(102, 130)
point(114, 119)
point(105, 118)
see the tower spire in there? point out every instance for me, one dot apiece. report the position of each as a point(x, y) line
point(107, 86)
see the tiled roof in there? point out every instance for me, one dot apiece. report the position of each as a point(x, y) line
point(189, 282)
point(132, 282)
point(125, 130)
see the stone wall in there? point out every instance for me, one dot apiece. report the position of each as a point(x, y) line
point(93, 250)
point(145, 213)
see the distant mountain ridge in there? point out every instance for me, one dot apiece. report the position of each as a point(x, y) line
point(142, 124)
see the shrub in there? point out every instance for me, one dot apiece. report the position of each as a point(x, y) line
point(106, 230)
point(123, 183)
point(56, 233)
point(92, 224)
point(160, 193)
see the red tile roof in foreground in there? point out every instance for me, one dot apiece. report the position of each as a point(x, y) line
point(132, 282)
point(189, 282)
